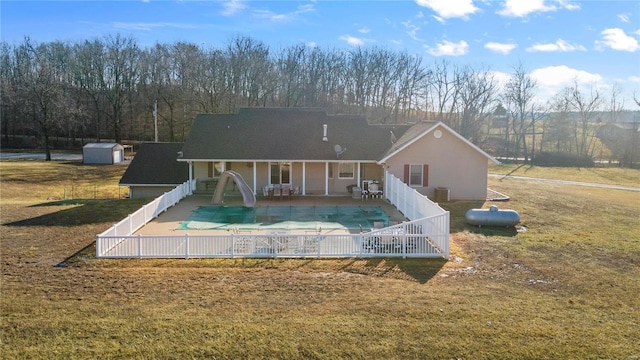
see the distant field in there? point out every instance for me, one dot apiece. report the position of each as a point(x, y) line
point(602, 175)
point(567, 288)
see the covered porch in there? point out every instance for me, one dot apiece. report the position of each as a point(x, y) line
point(302, 177)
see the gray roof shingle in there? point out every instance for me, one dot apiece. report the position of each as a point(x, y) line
point(287, 134)
point(155, 164)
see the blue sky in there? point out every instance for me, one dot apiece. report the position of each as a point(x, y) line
point(596, 43)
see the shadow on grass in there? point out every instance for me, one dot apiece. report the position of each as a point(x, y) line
point(81, 212)
point(421, 270)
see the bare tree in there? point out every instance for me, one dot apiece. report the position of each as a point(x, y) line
point(119, 77)
point(587, 107)
point(443, 92)
point(477, 94)
point(518, 97)
point(40, 70)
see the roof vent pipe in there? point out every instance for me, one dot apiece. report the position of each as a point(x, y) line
point(324, 132)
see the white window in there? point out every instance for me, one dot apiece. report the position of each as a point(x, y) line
point(415, 175)
point(280, 173)
point(346, 170)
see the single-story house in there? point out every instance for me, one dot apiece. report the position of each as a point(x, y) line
point(154, 170)
point(323, 154)
point(102, 153)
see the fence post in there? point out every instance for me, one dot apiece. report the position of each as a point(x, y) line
point(130, 225)
point(139, 246)
point(233, 246)
point(186, 246)
point(98, 246)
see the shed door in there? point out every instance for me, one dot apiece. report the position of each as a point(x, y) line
point(117, 156)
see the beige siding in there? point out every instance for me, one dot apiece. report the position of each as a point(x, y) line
point(148, 191)
point(453, 164)
point(315, 178)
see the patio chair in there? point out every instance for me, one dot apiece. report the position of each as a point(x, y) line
point(378, 224)
point(277, 191)
point(286, 191)
point(365, 190)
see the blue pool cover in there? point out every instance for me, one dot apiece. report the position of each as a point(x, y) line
point(291, 218)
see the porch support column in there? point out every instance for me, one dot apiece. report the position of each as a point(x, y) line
point(304, 178)
point(326, 178)
point(358, 180)
point(255, 181)
point(191, 178)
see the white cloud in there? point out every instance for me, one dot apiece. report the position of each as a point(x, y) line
point(616, 39)
point(559, 46)
point(450, 8)
point(500, 48)
point(624, 17)
point(270, 15)
point(232, 6)
point(411, 29)
point(552, 79)
point(352, 40)
point(364, 30)
point(448, 48)
point(522, 8)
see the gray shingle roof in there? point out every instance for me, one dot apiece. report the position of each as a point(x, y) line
point(287, 134)
point(155, 164)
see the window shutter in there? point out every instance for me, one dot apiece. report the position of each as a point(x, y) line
point(425, 175)
point(406, 174)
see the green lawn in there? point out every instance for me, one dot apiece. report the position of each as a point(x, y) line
point(567, 288)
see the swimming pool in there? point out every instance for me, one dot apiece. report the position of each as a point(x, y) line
point(292, 218)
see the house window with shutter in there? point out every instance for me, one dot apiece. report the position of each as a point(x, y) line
point(416, 175)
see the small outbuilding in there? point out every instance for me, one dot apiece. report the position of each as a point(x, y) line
point(102, 153)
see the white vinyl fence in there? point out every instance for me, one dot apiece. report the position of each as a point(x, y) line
point(409, 201)
point(404, 240)
point(426, 235)
point(133, 222)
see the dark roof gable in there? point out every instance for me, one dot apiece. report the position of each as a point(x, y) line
point(287, 134)
point(155, 164)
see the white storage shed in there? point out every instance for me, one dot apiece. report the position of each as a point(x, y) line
point(102, 153)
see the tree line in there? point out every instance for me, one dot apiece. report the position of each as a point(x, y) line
point(108, 88)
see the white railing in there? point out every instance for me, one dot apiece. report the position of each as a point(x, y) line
point(408, 200)
point(134, 221)
point(428, 237)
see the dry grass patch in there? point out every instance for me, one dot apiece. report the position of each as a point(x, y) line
point(601, 175)
point(566, 288)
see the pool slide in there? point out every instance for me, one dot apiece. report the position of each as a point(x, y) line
point(248, 196)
